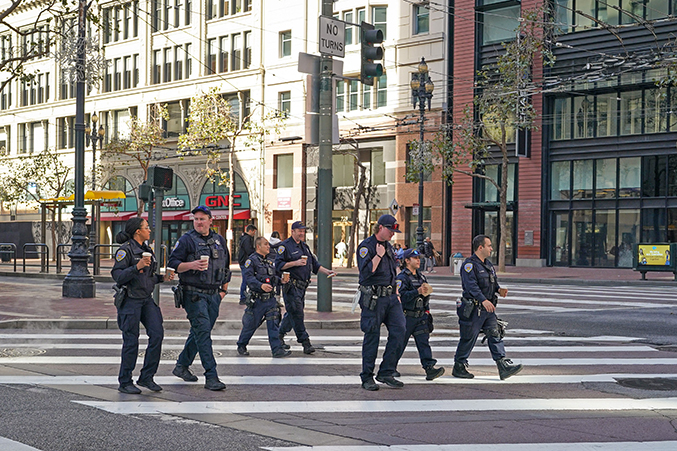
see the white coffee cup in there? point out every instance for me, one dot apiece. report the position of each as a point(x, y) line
point(163, 271)
point(170, 270)
point(146, 254)
point(304, 258)
point(204, 257)
point(285, 277)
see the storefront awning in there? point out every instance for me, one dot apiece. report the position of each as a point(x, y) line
point(121, 216)
point(237, 214)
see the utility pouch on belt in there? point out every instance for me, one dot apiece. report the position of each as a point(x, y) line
point(120, 295)
point(178, 296)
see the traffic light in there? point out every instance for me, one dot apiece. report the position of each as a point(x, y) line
point(160, 177)
point(370, 68)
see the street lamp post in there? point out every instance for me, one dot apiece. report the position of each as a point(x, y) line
point(94, 136)
point(421, 90)
point(79, 283)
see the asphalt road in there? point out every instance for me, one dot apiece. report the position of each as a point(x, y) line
point(600, 367)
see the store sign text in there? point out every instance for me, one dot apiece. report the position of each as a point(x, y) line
point(221, 200)
point(173, 202)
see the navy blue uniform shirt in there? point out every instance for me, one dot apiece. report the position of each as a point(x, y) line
point(140, 284)
point(408, 284)
point(190, 247)
point(387, 268)
point(289, 251)
point(259, 270)
point(478, 279)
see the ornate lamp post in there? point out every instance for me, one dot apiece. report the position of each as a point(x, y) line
point(421, 90)
point(94, 136)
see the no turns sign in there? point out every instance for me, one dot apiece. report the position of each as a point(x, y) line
point(332, 37)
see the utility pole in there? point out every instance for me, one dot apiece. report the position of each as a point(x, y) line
point(324, 175)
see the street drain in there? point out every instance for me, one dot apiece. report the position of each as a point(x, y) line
point(20, 352)
point(654, 383)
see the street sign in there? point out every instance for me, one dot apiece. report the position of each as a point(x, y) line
point(332, 37)
point(394, 207)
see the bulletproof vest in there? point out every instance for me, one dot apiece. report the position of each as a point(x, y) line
point(216, 272)
point(421, 302)
point(264, 269)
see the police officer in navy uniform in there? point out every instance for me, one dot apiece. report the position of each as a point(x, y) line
point(137, 272)
point(380, 304)
point(415, 296)
point(477, 311)
point(202, 260)
point(246, 248)
point(290, 258)
point(262, 283)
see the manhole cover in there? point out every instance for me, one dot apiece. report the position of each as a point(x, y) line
point(654, 383)
point(20, 352)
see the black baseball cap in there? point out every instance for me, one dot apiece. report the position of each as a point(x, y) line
point(390, 223)
point(298, 225)
point(203, 209)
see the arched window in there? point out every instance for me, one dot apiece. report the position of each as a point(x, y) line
point(119, 183)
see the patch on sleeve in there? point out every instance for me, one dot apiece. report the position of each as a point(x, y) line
point(175, 246)
point(399, 285)
point(363, 252)
point(247, 263)
point(120, 255)
point(280, 250)
point(468, 267)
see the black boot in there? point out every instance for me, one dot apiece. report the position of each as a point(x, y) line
point(307, 347)
point(506, 368)
point(461, 370)
point(433, 373)
point(283, 344)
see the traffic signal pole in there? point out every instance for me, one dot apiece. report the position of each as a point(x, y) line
point(324, 176)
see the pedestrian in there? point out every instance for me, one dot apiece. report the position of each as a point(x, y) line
point(294, 256)
point(477, 311)
point(380, 304)
point(414, 293)
point(342, 252)
point(245, 249)
point(275, 242)
point(134, 268)
point(202, 260)
point(400, 252)
point(429, 250)
point(263, 284)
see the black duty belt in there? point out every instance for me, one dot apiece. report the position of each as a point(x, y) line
point(263, 296)
point(300, 284)
point(190, 288)
point(414, 313)
point(378, 290)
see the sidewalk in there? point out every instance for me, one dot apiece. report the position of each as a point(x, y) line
point(33, 299)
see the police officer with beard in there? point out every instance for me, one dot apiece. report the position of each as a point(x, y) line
point(262, 284)
point(294, 256)
point(136, 272)
point(202, 260)
point(477, 311)
point(380, 304)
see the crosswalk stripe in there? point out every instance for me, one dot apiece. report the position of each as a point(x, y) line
point(88, 360)
point(581, 446)
point(340, 406)
point(10, 445)
point(340, 380)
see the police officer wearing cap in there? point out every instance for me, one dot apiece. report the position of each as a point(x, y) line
point(202, 260)
point(294, 256)
point(380, 304)
point(477, 311)
point(415, 296)
point(262, 284)
point(136, 272)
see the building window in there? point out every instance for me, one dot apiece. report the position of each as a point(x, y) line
point(237, 52)
point(421, 19)
point(631, 113)
point(348, 17)
point(381, 91)
point(629, 179)
point(174, 126)
point(285, 103)
point(343, 172)
point(377, 167)
point(211, 56)
point(582, 188)
point(6, 97)
point(366, 96)
point(353, 95)
point(127, 68)
point(499, 24)
point(157, 67)
point(378, 18)
point(284, 171)
point(189, 61)
point(247, 61)
point(361, 17)
point(135, 81)
point(560, 180)
point(585, 125)
point(4, 140)
point(188, 12)
point(117, 74)
point(340, 96)
point(167, 73)
point(605, 178)
point(224, 51)
point(178, 62)
point(285, 44)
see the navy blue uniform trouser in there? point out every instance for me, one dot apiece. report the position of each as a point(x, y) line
point(243, 285)
point(418, 327)
point(470, 330)
point(294, 303)
point(133, 312)
point(388, 311)
point(263, 310)
point(202, 311)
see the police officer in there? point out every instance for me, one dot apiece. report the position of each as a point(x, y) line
point(134, 268)
point(202, 260)
point(415, 296)
point(477, 311)
point(262, 284)
point(294, 256)
point(380, 304)
point(245, 249)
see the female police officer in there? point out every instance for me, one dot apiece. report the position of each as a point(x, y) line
point(415, 296)
point(134, 268)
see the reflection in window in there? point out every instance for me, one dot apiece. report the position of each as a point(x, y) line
point(499, 25)
point(562, 120)
point(605, 178)
point(631, 113)
point(653, 225)
point(605, 248)
point(284, 171)
point(421, 22)
point(672, 175)
point(629, 177)
point(581, 239)
point(582, 179)
point(606, 114)
point(654, 175)
point(628, 235)
point(561, 231)
point(561, 180)
point(585, 124)
point(655, 107)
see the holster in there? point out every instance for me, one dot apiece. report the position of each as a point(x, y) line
point(368, 297)
point(248, 299)
point(178, 296)
point(467, 308)
point(120, 295)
